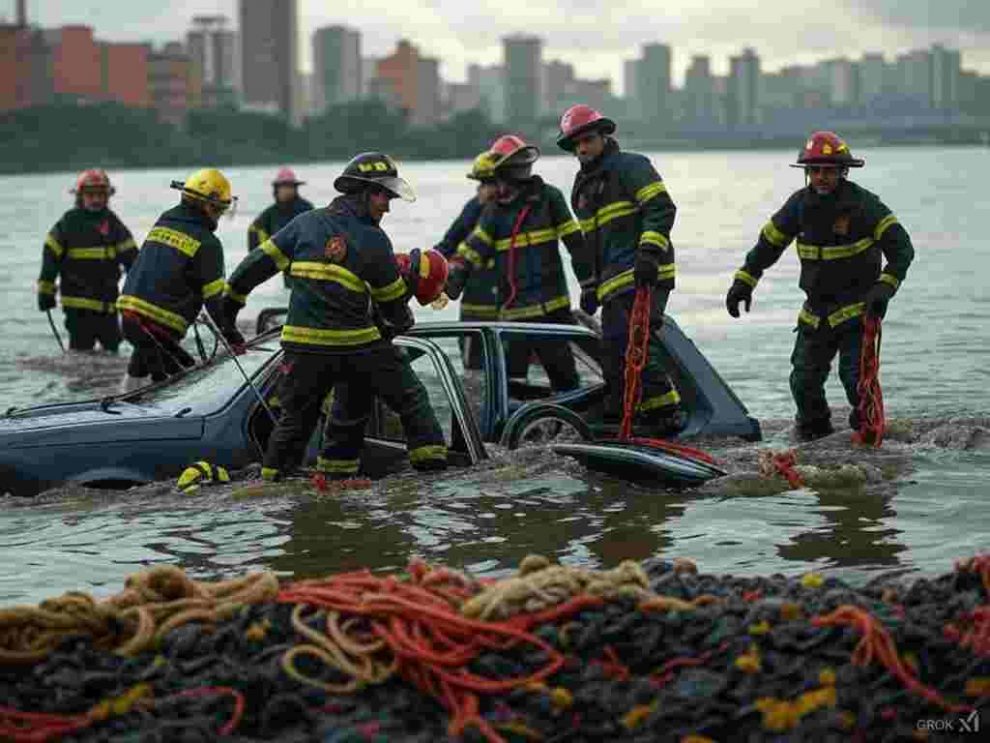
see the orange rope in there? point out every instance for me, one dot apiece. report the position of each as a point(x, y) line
point(870, 407)
point(637, 352)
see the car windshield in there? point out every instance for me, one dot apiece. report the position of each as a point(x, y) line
point(209, 388)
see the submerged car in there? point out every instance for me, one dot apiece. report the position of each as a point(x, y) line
point(211, 413)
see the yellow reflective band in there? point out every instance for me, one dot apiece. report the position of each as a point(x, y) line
point(271, 250)
point(470, 254)
point(833, 252)
point(424, 266)
point(329, 337)
point(426, 453)
point(607, 213)
point(337, 466)
point(153, 312)
point(774, 236)
point(84, 254)
point(213, 288)
point(523, 239)
point(262, 235)
point(666, 271)
point(529, 311)
point(649, 237)
point(888, 278)
point(52, 244)
point(84, 303)
point(228, 291)
point(614, 284)
point(207, 469)
point(128, 244)
point(269, 474)
point(482, 235)
point(326, 272)
point(660, 401)
point(745, 277)
point(567, 228)
point(174, 239)
point(389, 293)
point(649, 191)
point(888, 221)
point(46, 287)
point(846, 313)
point(481, 310)
point(808, 318)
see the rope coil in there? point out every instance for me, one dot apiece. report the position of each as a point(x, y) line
point(870, 407)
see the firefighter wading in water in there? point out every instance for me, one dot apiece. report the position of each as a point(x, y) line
point(87, 248)
point(520, 230)
point(178, 271)
point(626, 215)
point(288, 205)
point(842, 231)
point(340, 261)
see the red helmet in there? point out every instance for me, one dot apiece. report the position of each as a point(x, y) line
point(509, 150)
point(826, 148)
point(425, 272)
point(579, 119)
point(94, 179)
point(286, 177)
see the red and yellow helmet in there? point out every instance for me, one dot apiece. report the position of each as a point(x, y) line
point(425, 273)
point(828, 149)
point(94, 179)
point(579, 119)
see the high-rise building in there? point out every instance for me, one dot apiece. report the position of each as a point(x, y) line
point(843, 82)
point(427, 110)
point(523, 62)
point(268, 55)
point(125, 74)
point(25, 62)
point(212, 46)
point(630, 90)
point(76, 62)
point(174, 83)
point(490, 83)
point(913, 75)
point(699, 91)
point(872, 78)
point(744, 89)
point(459, 97)
point(558, 83)
point(653, 84)
point(401, 69)
point(337, 73)
point(946, 70)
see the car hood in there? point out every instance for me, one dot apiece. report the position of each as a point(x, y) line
point(92, 423)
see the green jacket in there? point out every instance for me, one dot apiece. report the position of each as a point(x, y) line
point(340, 262)
point(531, 280)
point(274, 218)
point(88, 250)
point(841, 239)
point(624, 208)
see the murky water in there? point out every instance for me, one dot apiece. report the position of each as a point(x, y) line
point(921, 503)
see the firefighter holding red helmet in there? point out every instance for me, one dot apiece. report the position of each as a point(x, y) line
point(854, 255)
point(626, 215)
point(88, 249)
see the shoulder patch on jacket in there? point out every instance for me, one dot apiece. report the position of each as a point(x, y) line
point(335, 249)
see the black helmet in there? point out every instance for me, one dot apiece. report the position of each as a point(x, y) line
point(374, 169)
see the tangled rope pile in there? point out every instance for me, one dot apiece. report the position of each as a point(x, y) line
point(654, 651)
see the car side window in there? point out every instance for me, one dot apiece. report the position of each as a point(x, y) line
point(531, 364)
point(466, 351)
point(387, 424)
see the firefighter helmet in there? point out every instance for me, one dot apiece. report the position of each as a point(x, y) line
point(286, 177)
point(373, 169)
point(827, 149)
point(94, 179)
point(580, 119)
point(209, 186)
point(425, 273)
point(483, 167)
point(509, 151)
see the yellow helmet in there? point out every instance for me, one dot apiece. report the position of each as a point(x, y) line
point(483, 167)
point(208, 185)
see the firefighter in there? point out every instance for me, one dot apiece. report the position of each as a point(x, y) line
point(88, 247)
point(424, 273)
point(626, 215)
point(288, 205)
point(341, 265)
point(479, 300)
point(521, 230)
point(843, 231)
point(179, 269)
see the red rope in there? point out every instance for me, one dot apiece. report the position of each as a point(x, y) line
point(637, 352)
point(784, 462)
point(870, 408)
point(513, 287)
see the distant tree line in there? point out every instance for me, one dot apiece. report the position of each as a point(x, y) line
point(69, 136)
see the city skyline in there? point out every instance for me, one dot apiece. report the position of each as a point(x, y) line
point(690, 27)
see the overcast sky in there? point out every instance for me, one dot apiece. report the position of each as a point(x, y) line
point(594, 35)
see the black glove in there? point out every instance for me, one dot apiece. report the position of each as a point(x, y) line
point(877, 299)
point(645, 270)
point(589, 300)
point(740, 291)
point(229, 309)
point(456, 280)
point(46, 301)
